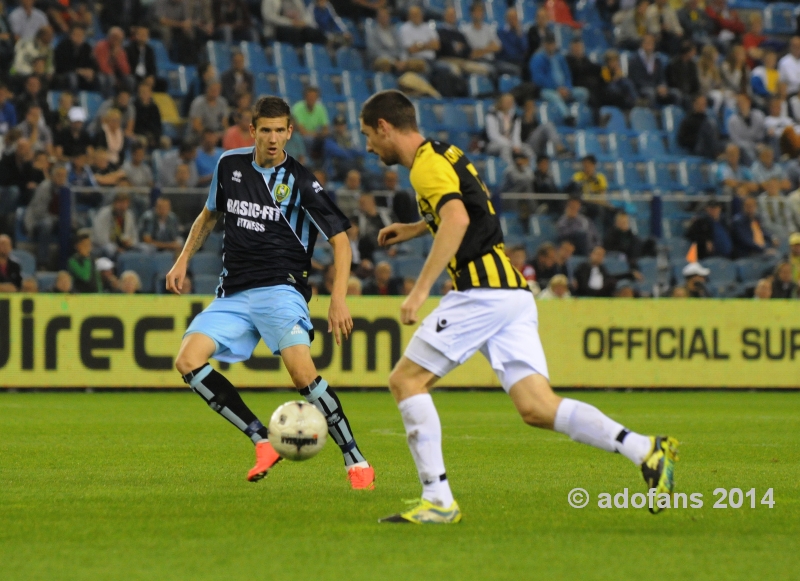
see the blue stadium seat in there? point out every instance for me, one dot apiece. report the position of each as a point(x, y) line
point(698, 175)
point(723, 271)
point(163, 62)
point(661, 175)
point(290, 86)
point(594, 38)
point(563, 170)
point(255, 58)
point(634, 175)
point(751, 269)
point(27, 261)
point(621, 146)
point(453, 117)
point(461, 139)
point(317, 57)
point(219, 55)
point(480, 85)
point(206, 263)
point(163, 261)
point(52, 99)
point(572, 263)
point(780, 18)
point(648, 266)
point(326, 83)
point(384, 81)
point(46, 281)
point(408, 266)
point(582, 114)
point(349, 59)
point(205, 284)
point(91, 101)
point(508, 82)
point(495, 169)
point(651, 145)
point(142, 264)
point(355, 32)
point(616, 119)
point(355, 85)
point(286, 59)
point(263, 86)
point(588, 143)
point(616, 265)
point(543, 225)
point(677, 249)
point(526, 11)
point(642, 119)
point(551, 114)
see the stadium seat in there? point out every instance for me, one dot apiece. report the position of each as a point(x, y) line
point(648, 266)
point(206, 263)
point(662, 176)
point(219, 55)
point(461, 139)
point(616, 119)
point(622, 146)
point(167, 108)
point(549, 114)
point(723, 271)
point(255, 58)
point(46, 281)
point(52, 99)
point(480, 86)
point(616, 265)
point(751, 269)
point(163, 62)
point(543, 225)
point(642, 119)
point(780, 18)
point(572, 263)
point(355, 85)
point(290, 87)
point(286, 59)
point(317, 57)
point(526, 11)
point(651, 145)
point(453, 117)
point(385, 81)
point(634, 175)
point(588, 143)
point(594, 38)
point(27, 261)
point(677, 249)
point(163, 261)
point(508, 83)
point(205, 284)
point(263, 86)
point(697, 175)
point(349, 59)
point(91, 101)
point(408, 266)
point(142, 264)
point(326, 83)
point(583, 115)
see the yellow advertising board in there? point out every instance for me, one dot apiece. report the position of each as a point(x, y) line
point(53, 341)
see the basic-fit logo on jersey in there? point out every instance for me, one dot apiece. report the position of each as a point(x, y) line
point(282, 192)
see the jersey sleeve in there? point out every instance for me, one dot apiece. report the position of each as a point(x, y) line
point(322, 211)
point(216, 196)
point(435, 180)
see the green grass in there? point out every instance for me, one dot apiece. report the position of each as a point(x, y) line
point(149, 486)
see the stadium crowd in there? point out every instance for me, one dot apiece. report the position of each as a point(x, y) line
point(697, 102)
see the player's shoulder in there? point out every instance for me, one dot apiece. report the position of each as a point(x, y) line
point(238, 155)
point(433, 157)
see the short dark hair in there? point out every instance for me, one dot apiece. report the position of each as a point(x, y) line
point(542, 157)
point(270, 107)
point(590, 158)
point(393, 107)
point(545, 249)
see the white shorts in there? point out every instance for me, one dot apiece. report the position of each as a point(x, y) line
point(502, 324)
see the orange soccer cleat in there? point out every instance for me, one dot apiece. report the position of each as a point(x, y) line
point(266, 458)
point(361, 478)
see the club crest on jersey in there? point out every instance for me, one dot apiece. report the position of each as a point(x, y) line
point(237, 176)
point(282, 192)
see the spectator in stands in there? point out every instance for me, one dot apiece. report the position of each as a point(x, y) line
point(32, 94)
point(585, 73)
point(27, 52)
point(311, 118)
point(631, 25)
point(763, 290)
point(142, 57)
point(114, 230)
point(735, 75)
point(709, 233)
point(624, 290)
point(112, 62)
point(327, 21)
point(10, 270)
point(682, 72)
point(618, 90)
point(726, 22)
point(129, 282)
point(137, 171)
point(73, 140)
point(484, 42)
point(698, 131)
point(208, 111)
point(776, 211)
point(647, 74)
point(8, 114)
point(354, 287)
point(63, 283)
point(42, 214)
point(794, 256)
point(544, 265)
point(538, 135)
point(238, 135)
point(25, 20)
point(518, 176)
point(340, 148)
point(513, 42)
point(557, 288)
point(237, 79)
point(576, 228)
point(121, 102)
point(147, 123)
point(454, 50)
point(75, 66)
point(543, 182)
point(18, 177)
point(85, 276)
point(175, 29)
point(183, 176)
point(536, 32)
point(58, 120)
point(207, 157)
point(103, 172)
point(6, 39)
point(736, 178)
point(29, 285)
point(201, 14)
point(711, 77)
point(620, 238)
point(384, 45)
point(288, 21)
point(662, 22)
point(36, 130)
point(371, 220)
point(679, 292)
point(504, 130)
point(383, 283)
point(695, 275)
point(750, 237)
point(789, 67)
point(550, 72)
point(232, 22)
point(404, 206)
point(592, 278)
point(589, 184)
point(518, 257)
point(419, 41)
point(765, 83)
point(783, 286)
point(696, 24)
point(111, 137)
point(159, 227)
point(347, 196)
point(765, 169)
point(747, 129)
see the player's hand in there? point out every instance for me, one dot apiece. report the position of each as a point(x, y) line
point(175, 277)
point(339, 320)
point(410, 306)
point(394, 234)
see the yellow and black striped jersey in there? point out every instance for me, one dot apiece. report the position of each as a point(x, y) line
point(440, 173)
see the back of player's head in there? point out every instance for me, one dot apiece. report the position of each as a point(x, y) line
point(270, 108)
point(391, 106)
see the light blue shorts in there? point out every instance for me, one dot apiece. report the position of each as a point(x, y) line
point(277, 314)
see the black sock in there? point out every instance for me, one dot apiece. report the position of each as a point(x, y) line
point(321, 396)
point(222, 397)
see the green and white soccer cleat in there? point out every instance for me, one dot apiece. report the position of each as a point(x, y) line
point(425, 513)
point(658, 468)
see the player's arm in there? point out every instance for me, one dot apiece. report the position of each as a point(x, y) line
point(453, 224)
point(201, 228)
point(397, 232)
point(339, 320)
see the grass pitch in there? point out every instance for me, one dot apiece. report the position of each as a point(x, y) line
point(149, 486)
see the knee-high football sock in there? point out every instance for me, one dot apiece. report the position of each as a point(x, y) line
point(321, 396)
point(222, 397)
point(586, 424)
point(424, 433)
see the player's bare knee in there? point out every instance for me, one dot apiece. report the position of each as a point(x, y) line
point(535, 417)
point(184, 364)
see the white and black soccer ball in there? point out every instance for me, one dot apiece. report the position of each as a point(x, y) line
point(297, 430)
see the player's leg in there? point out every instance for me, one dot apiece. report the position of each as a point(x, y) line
point(317, 392)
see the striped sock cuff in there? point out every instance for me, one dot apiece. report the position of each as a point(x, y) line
point(313, 391)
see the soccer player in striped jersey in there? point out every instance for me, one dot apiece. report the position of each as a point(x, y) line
point(273, 209)
point(490, 310)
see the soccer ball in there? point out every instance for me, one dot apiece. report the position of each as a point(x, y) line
point(297, 430)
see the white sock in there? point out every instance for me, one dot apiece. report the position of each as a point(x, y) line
point(424, 433)
point(586, 424)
